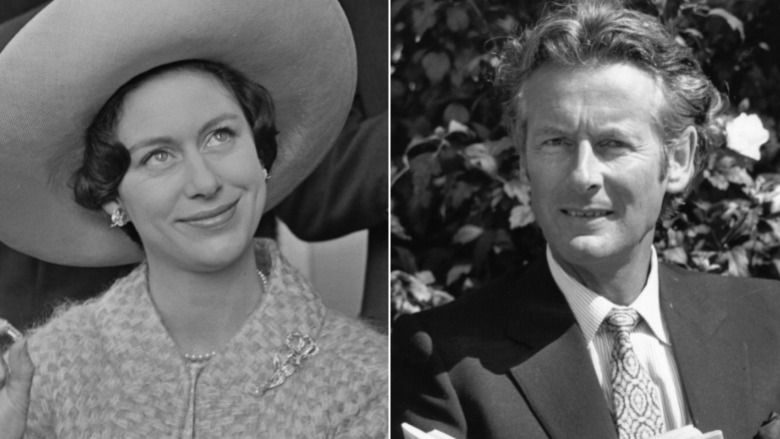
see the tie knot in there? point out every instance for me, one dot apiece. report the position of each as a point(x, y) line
point(622, 319)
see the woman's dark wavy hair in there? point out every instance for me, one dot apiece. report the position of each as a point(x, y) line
point(106, 160)
point(599, 32)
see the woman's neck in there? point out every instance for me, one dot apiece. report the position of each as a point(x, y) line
point(203, 310)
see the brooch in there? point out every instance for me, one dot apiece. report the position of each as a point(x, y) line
point(299, 348)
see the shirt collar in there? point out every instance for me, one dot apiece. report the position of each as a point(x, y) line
point(590, 309)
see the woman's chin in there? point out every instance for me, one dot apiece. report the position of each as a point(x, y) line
point(214, 254)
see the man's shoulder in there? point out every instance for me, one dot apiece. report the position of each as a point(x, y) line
point(716, 285)
point(482, 316)
point(735, 296)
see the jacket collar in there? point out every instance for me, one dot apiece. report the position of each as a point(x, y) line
point(557, 378)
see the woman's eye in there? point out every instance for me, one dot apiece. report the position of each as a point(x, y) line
point(157, 157)
point(220, 136)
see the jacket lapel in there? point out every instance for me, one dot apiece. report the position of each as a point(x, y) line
point(557, 378)
point(713, 370)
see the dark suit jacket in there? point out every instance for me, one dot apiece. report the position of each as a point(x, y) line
point(511, 362)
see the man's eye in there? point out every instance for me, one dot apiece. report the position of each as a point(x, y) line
point(613, 144)
point(557, 141)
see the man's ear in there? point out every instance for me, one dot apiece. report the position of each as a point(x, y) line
point(111, 206)
point(681, 165)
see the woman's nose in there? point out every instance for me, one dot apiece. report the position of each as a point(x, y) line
point(202, 179)
point(586, 170)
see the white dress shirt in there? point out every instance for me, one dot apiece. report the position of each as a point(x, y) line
point(650, 338)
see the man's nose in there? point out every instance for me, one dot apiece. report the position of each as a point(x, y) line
point(202, 180)
point(586, 173)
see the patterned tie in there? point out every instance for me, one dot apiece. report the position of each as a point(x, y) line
point(637, 400)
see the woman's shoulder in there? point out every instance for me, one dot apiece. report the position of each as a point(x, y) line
point(70, 330)
point(351, 341)
point(74, 327)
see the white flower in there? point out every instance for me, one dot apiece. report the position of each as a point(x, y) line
point(745, 134)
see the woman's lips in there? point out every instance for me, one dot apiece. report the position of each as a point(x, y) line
point(212, 218)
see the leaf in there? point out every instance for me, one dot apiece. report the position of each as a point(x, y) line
point(467, 233)
point(457, 127)
point(738, 262)
point(426, 277)
point(717, 180)
point(456, 112)
point(423, 15)
point(456, 272)
point(460, 193)
point(676, 255)
point(397, 229)
point(436, 65)
point(423, 167)
point(520, 216)
point(693, 32)
point(480, 157)
point(397, 89)
point(773, 226)
point(498, 146)
point(507, 23)
point(733, 22)
point(518, 190)
point(396, 7)
point(457, 18)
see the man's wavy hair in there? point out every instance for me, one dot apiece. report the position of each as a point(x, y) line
point(599, 32)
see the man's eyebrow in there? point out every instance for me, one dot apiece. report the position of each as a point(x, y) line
point(550, 129)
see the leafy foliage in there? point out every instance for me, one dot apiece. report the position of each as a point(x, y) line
point(461, 210)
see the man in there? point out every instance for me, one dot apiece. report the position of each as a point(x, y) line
point(597, 340)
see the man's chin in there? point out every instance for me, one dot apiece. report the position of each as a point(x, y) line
point(584, 250)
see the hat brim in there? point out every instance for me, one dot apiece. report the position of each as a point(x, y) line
point(61, 67)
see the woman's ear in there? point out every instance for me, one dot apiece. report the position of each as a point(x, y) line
point(111, 206)
point(681, 166)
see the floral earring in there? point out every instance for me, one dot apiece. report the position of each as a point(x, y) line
point(119, 217)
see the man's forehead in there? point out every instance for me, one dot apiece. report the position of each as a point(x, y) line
point(613, 91)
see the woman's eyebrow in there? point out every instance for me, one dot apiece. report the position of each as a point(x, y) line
point(218, 120)
point(167, 139)
point(150, 142)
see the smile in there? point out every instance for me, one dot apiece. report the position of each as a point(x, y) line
point(586, 213)
point(212, 218)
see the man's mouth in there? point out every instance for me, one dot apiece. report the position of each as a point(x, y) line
point(586, 213)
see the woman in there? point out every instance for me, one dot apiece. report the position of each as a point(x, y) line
point(213, 334)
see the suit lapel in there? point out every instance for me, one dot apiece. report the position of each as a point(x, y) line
point(713, 370)
point(557, 378)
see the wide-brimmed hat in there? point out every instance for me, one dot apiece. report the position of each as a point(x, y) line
point(62, 62)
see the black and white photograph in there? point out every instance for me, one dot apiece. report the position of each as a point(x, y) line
point(194, 219)
point(585, 219)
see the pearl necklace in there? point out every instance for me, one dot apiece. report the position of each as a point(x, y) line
point(202, 358)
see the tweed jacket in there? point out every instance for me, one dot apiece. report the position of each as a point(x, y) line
point(108, 368)
point(510, 360)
